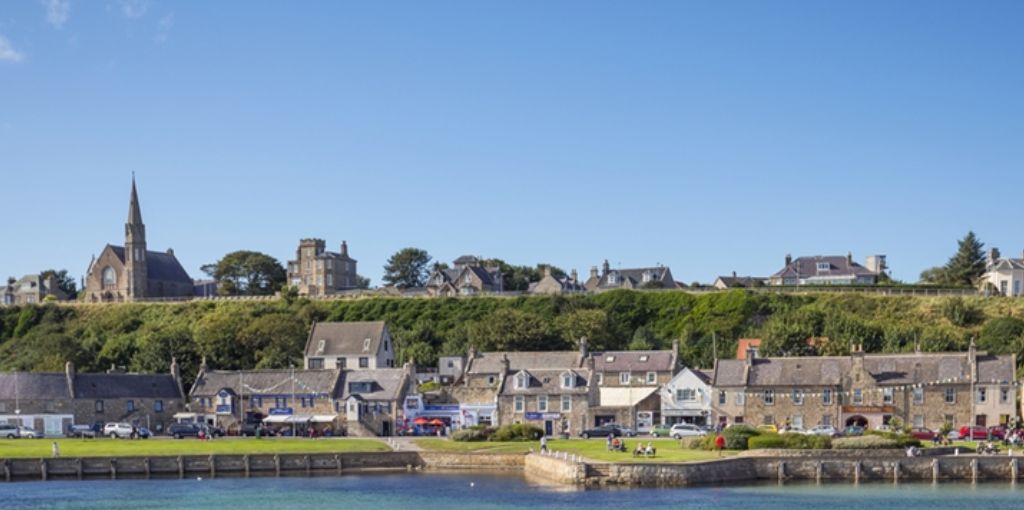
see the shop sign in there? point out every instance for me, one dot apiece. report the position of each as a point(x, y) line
point(277, 411)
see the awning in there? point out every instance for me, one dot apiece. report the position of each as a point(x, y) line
point(683, 412)
point(323, 418)
point(276, 418)
point(299, 418)
point(182, 416)
point(626, 396)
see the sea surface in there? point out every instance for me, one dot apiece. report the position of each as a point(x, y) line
point(487, 491)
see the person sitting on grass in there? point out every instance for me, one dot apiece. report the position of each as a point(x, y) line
point(649, 452)
point(639, 449)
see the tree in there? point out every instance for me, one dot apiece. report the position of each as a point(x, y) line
point(64, 281)
point(362, 282)
point(589, 323)
point(407, 268)
point(246, 273)
point(514, 330)
point(968, 264)
point(933, 275)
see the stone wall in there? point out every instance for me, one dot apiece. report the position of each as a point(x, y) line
point(554, 469)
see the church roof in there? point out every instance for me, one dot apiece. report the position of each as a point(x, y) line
point(160, 266)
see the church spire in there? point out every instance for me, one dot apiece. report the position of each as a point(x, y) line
point(134, 213)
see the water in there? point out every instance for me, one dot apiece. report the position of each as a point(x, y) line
point(487, 492)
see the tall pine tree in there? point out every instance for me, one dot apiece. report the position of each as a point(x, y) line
point(968, 264)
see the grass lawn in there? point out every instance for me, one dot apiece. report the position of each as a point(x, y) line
point(20, 448)
point(668, 450)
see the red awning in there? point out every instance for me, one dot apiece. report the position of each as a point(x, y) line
point(436, 422)
point(421, 421)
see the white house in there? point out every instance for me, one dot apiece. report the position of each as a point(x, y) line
point(687, 398)
point(1004, 274)
point(349, 345)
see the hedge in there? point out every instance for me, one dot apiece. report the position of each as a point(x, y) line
point(736, 437)
point(517, 432)
point(789, 441)
point(869, 442)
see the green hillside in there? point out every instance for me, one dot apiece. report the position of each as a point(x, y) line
point(143, 337)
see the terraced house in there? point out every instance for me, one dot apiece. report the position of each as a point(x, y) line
point(922, 389)
point(628, 384)
point(349, 345)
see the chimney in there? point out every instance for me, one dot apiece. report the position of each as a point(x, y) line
point(751, 354)
point(11, 281)
point(202, 365)
point(849, 258)
point(505, 364)
point(344, 249)
point(972, 360)
point(471, 353)
point(604, 267)
point(584, 351)
point(993, 256)
point(734, 274)
point(593, 272)
point(675, 353)
point(175, 371)
point(410, 369)
point(574, 276)
point(857, 357)
point(547, 271)
point(51, 285)
point(589, 362)
point(789, 259)
point(69, 374)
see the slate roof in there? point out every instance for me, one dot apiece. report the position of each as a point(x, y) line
point(33, 385)
point(635, 277)
point(101, 386)
point(742, 281)
point(267, 382)
point(807, 267)
point(490, 362)
point(886, 369)
point(345, 338)
point(623, 361)
point(704, 375)
point(386, 383)
point(160, 266)
point(1006, 263)
point(546, 381)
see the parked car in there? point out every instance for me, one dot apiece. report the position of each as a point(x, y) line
point(661, 430)
point(978, 432)
point(119, 430)
point(922, 434)
point(768, 427)
point(854, 430)
point(822, 430)
point(182, 430)
point(601, 431)
point(143, 433)
point(8, 431)
point(82, 431)
point(626, 431)
point(792, 429)
point(681, 430)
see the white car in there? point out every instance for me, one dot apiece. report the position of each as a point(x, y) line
point(17, 431)
point(681, 430)
point(822, 430)
point(115, 430)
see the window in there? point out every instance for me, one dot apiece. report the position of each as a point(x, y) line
point(858, 396)
point(652, 377)
point(566, 403)
point(330, 280)
point(918, 396)
point(491, 380)
point(741, 398)
point(644, 358)
point(686, 395)
point(918, 421)
point(768, 397)
point(340, 363)
point(316, 363)
point(949, 419)
point(826, 396)
point(826, 420)
point(768, 419)
point(366, 345)
point(613, 278)
point(567, 380)
point(886, 395)
point(522, 381)
point(1002, 288)
point(609, 359)
point(109, 278)
point(823, 266)
point(98, 406)
point(797, 421)
point(600, 378)
point(364, 362)
point(519, 400)
point(723, 397)
point(281, 402)
point(647, 276)
point(307, 402)
point(542, 403)
point(623, 377)
point(256, 402)
point(158, 406)
point(950, 396)
point(1004, 395)
point(798, 397)
point(981, 395)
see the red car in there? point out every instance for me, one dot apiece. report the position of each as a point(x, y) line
point(978, 432)
point(922, 434)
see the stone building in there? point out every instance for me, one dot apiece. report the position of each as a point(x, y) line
point(349, 345)
point(554, 285)
point(31, 289)
point(372, 399)
point(628, 384)
point(466, 277)
point(318, 272)
point(50, 402)
point(658, 277)
point(282, 399)
point(830, 270)
point(922, 389)
point(1003, 275)
point(133, 273)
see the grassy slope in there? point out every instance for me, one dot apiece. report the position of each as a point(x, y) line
point(21, 448)
point(668, 450)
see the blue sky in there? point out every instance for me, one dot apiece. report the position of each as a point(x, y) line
point(708, 136)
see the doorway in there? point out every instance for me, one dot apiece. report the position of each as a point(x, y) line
point(548, 428)
point(386, 428)
point(857, 420)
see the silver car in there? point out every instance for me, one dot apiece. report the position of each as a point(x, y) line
point(28, 433)
point(681, 430)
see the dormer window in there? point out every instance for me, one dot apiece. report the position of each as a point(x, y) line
point(648, 276)
point(613, 278)
point(824, 266)
point(644, 358)
point(366, 345)
point(609, 359)
point(522, 381)
point(320, 346)
point(568, 380)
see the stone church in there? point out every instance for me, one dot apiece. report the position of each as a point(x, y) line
point(131, 272)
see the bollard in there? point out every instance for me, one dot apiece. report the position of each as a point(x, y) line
point(42, 468)
point(1013, 470)
point(817, 472)
point(213, 466)
point(337, 462)
point(248, 465)
point(782, 471)
point(277, 464)
point(956, 451)
point(78, 467)
point(145, 465)
point(181, 467)
point(896, 473)
point(856, 472)
point(935, 470)
point(113, 469)
point(974, 470)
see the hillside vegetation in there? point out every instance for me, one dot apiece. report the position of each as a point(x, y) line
point(143, 337)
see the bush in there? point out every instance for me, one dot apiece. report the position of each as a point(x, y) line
point(695, 443)
point(789, 441)
point(868, 442)
point(477, 433)
point(902, 440)
point(517, 432)
point(769, 440)
point(736, 437)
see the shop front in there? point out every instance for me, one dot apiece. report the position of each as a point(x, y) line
point(552, 423)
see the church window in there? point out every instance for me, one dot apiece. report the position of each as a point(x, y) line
point(109, 277)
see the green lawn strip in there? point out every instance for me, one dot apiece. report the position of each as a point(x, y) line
point(29, 448)
point(668, 450)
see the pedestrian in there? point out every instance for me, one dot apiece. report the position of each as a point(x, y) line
point(543, 443)
point(56, 449)
point(719, 443)
point(609, 442)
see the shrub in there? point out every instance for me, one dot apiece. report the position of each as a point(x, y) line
point(868, 442)
point(736, 437)
point(902, 440)
point(477, 433)
point(770, 440)
point(695, 443)
point(789, 441)
point(517, 432)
